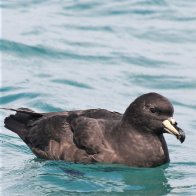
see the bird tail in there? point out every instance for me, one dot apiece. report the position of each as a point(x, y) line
point(19, 121)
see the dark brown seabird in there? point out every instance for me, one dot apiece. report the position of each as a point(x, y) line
point(134, 138)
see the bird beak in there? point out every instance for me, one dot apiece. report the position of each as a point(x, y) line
point(170, 126)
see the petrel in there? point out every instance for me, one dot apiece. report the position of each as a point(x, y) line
point(134, 138)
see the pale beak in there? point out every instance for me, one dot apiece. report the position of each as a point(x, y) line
point(170, 126)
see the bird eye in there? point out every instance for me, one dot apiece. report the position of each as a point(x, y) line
point(153, 110)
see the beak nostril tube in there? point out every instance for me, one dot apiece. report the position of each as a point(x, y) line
point(172, 120)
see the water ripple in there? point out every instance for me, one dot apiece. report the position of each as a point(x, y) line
point(14, 97)
point(9, 88)
point(60, 55)
point(46, 107)
point(72, 83)
point(184, 104)
point(167, 82)
point(141, 60)
point(24, 50)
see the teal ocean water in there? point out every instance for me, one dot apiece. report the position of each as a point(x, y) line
point(65, 55)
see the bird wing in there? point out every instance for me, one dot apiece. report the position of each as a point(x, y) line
point(47, 136)
point(88, 134)
point(72, 136)
point(51, 138)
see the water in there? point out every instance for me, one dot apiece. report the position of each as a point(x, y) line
point(66, 55)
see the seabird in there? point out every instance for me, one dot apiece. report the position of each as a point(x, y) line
point(134, 138)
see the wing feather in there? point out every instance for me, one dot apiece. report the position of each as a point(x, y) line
point(88, 134)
